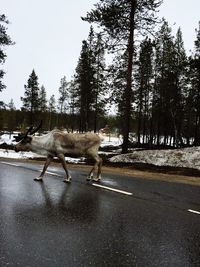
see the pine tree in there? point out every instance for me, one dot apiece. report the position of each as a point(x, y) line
point(117, 74)
point(96, 65)
point(63, 92)
point(169, 86)
point(189, 110)
point(62, 101)
point(52, 104)
point(11, 116)
point(120, 20)
point(42, 109)
point(11, 105)
point(84, 81)
point(164, 82)
point(177, 101)
point(144, 92)
point(52, 111)
point(31, 101)
point(73, 96)
point(42, 99)
point(5, 40)
point(99, 85)
point(194, 91)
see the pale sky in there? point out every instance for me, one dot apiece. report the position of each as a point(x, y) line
point(48, 36)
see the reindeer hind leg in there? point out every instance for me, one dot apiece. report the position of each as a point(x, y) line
point(100, 161)
point(97, 165)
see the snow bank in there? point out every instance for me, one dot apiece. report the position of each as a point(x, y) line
point(110, 141)
point(186, 157)
point(7, 138)
point(5, 153)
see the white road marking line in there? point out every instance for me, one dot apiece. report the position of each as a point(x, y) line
point(52, 173)
point(8, 163)
point(194, 211)
point(113, 189)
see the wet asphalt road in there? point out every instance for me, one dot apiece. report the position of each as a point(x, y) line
point(78, 224)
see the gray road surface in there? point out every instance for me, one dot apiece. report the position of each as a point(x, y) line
point(149, 223)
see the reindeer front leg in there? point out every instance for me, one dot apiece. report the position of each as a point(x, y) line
point(48, 161)
point(64, 164)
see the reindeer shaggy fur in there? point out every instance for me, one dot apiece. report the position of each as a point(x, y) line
point(57, 143)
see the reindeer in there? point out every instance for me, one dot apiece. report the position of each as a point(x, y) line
point(56, 144)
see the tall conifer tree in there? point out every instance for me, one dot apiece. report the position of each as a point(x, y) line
point(63, 92)
point(43, 99)
point(52, 110)
point(99, 86)
point(85, 81)
point(31, 101)
point(194, 91)
point(5, 40)
point(144, 92)
point(164, 82)
point(120, 20)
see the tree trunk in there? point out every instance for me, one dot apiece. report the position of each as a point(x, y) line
point(128, 89)
point(197, 133)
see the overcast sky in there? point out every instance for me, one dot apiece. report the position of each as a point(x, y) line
point(48, 36)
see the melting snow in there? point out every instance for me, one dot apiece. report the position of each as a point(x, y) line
point(185, 157)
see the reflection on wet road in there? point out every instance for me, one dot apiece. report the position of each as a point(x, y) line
point(78, 224)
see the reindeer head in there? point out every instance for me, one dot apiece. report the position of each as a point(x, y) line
point(25, 139)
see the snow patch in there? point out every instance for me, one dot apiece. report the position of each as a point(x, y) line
point(185, 157)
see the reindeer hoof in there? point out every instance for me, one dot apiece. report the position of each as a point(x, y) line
point(88, 179)
point(68, 181)
point(96, 180)
point(38, 179)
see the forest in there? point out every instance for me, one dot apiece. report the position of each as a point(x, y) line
point(149, 88)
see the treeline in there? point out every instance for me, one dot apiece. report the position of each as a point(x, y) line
point(167, 90)
point(17, 120)
point(63, 113)
point(154, 86)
